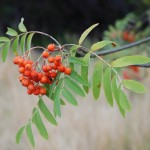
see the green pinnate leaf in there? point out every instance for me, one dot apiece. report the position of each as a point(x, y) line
point(116, 93)
point(97, 79)
point(29, 39)
point(107, 86)
point(15, 45)
point(4, 39)
point(19, 134)
point(46, 112)
point(101, 44)
point(134, 86)
point(21, 26)
point(74, 75)
point(84, 71)
point(76, 60)
point(130, 60)
point(56, 97)
point(30, 134)
point(74, 49)
point(1, 45)
point(39, 124)
point(86, 32)
point(74, 87)
point(124, 102)
point(5, 51)
point(69, 97)
point(11, 32)
point(22, 42)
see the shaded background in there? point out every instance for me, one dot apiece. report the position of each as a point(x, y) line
point(92, 125)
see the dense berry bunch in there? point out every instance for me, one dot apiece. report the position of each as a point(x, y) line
point(35, 77)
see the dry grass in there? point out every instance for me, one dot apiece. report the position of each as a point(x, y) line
point(91, 126)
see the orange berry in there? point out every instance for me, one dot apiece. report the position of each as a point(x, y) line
point(58, 58)
point(53, 74)
point(34, 74)
point(57, 63)
point(29, 91)
point(36, 91)
point(25, 82)
point(20, 61)
point(49, 68)
point(44, 68)
point(51, 47)
point(21, 78)
point(44, 80)
point(31, 87)
point(61, 68)
point(28, 66)
point(67, 71)
point(54, 67)
point(51, 59)
point(42, 91)
point(15, 61)
point(45, 54)
point(40, 75)
point(21, 69)
point(27, 73)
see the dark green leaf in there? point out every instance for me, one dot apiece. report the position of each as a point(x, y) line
point(86, 32)
point(46, 112)
point(74, 75)
point(84, 70)
point(19, 134)
point(29, 39)
point(15, 45)
point(11, 32)
point(101, 44)
point(97, 79)
point(4, 39)
point(130, 60)
point(124, 102)
point(74, 87)
point(69, 97)
point(40, 126)
point(134, 86)
point(107, 86)
point(30, 134)
point(76, 60)
point(116, 93)
point(22, 42)
point(57, 95)
point(5, 51)
point(21, 26)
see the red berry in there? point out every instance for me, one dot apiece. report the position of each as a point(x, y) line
point(21, 69)
point(27, 73)
point(51, 47)
point(42, 91)
point(29, 91)
point(61, 68)
point(28, 66)
point(51, 59)
point(31, 87)
point(53, 74)
point(44, 68)
point(58, 58)
point(44, 80)
point(45, 54)
point(67, 71)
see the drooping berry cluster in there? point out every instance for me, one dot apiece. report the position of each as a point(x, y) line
point(33, 77)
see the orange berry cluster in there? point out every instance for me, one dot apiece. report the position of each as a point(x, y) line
point(34, 80)
point(127, 36)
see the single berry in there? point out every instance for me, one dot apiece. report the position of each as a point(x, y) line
point(51, 59)
point(67, 71)
point(45, 54)
point(42, 91)
point(28, 66)
point(21, 69)
point(51, 47)
point(53, 74)
point(29, 91)
point(31, 87)
point(61, 68)
point(58, 58)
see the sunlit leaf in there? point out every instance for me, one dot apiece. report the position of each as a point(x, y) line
point(46, 112)
point(134, 86)
point(2, 44)
point(86, 32)
point(107, 86)
point(69, 97)
point(97, 79)
point(76, 60)
point(57, 95)
point(29, 39)
point(40, 126)
point(74, 75)
point(130, 60)
point(4, 39)
point(30, 134)
point(15, 45)
point(74, 49)
point(116, 93)
point(22, 42)
point(19, 134)
point(11, 32)
point(5, 51)
point(101, 44)
point(21, 26)
point(124, 102)
point(74, 87)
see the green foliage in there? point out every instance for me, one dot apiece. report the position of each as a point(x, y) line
point(86, 32)
point(68, 86)
point(130, 60)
